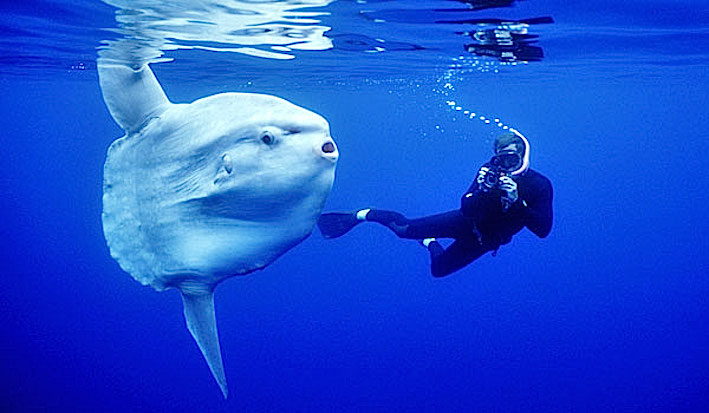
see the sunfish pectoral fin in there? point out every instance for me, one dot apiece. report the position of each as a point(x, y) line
point(199, 315)
point(133, 96)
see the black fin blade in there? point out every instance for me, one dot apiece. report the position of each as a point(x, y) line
point(337, 224)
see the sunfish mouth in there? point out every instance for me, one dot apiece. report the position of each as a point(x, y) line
point(328, 147)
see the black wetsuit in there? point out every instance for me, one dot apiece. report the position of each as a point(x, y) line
point(481, 224)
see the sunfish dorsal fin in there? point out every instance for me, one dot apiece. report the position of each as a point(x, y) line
point(133, 96)
point(199, 315)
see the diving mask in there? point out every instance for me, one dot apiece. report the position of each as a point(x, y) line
point(507, 160)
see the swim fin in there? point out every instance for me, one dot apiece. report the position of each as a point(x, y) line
point(337, 224)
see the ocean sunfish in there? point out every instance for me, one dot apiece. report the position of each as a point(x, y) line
point(196, 193)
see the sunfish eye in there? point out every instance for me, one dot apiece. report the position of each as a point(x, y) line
point(268, 138)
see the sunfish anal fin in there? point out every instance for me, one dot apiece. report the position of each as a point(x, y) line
point(199, 315)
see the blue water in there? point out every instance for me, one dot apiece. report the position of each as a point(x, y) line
point(609, 313)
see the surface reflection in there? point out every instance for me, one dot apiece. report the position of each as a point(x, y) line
point(507, 41)
point(269, 29)
point(352, 42)
point(486, 4)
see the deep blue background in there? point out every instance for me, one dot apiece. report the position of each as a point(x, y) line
point(607, 314)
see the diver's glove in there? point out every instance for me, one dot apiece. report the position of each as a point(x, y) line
point(509, 186)
point(481, 175)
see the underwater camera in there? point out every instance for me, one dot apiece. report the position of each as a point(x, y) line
point(493, 175)
point(500, 164)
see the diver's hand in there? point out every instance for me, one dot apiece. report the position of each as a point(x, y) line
point(481, 175)
point(509, 185)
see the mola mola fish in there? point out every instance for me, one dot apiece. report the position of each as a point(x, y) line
point(197, 193)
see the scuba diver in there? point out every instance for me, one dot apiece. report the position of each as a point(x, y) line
point(505, 197)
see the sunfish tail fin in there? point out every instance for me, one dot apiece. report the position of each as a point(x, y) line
point(133, 95)
point(199, 315)
point(337, 224)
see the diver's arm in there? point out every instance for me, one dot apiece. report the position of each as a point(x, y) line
point(470, 199)
point(537, 210)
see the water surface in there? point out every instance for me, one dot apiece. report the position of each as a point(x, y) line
point(607, 314)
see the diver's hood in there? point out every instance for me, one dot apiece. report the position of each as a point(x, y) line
point(525, 161)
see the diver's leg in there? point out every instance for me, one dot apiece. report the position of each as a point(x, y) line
point(450, 224)
point(459, 254)
point(390, 219)
point(447, 225)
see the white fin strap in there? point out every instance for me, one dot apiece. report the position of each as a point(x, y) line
point(362, 215)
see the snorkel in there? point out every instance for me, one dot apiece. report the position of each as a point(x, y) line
point(525, 160)
point(508, 155)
